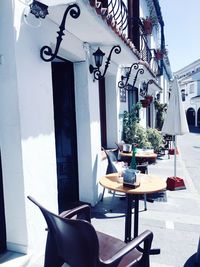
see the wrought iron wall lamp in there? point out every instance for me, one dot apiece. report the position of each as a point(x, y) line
point(46, 52)
point(124, 79)
point(38, 9)
point(98, 58)
point(144, 88)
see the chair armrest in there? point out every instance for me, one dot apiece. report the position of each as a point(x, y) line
point(82, 212)
point(146, 237)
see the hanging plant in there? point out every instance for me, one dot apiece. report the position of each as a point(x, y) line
point(146, 101)
point(160, 53)
point(147, 25)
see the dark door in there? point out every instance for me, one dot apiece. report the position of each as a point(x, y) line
point(102, 108)
point(132, 96)
point(2, 216)
point(198, 118)
point(190, 117)
point(65, 133)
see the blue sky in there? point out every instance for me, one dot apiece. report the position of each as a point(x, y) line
point(182, 31)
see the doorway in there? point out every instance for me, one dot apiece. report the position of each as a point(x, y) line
point(65, 133)
point(2, 215)
point(191, 117)
point(198, 118)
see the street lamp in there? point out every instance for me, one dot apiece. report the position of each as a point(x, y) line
point(98, 58)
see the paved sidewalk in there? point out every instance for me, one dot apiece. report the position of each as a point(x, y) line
point(174, 217)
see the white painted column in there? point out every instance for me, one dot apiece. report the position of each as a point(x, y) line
point(88, 132)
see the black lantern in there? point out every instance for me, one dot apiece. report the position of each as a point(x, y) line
point(39, 10)
point(98, 58)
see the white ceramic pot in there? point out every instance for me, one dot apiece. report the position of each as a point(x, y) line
point(127, 148)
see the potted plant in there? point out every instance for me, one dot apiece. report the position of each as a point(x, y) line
point(130, 119)
point(155, 138)
point(159, 54)
point(146, 101)
point(147, 25)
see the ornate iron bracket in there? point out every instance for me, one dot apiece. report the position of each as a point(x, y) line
point(46, 52)
point(124, 79)
point(144, 88)
point(96, 70)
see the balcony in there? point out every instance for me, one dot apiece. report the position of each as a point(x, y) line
point(132, 28)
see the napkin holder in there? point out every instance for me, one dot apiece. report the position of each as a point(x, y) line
point(130, 178)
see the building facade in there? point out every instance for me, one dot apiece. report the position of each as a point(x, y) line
point(189, 82)
point(57, 111)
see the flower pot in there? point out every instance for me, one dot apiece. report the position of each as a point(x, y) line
point(127, 148)
point(148, 26)
point(159, 55)
point(149, 98)
point(171, 151)
point(145, 103)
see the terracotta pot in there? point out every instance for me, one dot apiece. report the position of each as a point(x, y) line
point(159, 55)
point(149, 98)
point(148, 26)
point(145, 103)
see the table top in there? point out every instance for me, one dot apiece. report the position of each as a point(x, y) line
point(139, 154)
point(148, 184)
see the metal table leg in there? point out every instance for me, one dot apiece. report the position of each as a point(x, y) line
point(128, 218)
point(136, 215)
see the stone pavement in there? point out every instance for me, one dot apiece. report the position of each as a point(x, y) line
point(174, 217)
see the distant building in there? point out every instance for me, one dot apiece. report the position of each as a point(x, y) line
point(189, 82)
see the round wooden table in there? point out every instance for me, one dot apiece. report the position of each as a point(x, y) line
point(147, 184)
point(140, 156)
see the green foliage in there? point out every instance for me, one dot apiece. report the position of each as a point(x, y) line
point(155, 138)
point(130, 119)
point(160, 110)
point(141, 137)
point(133, 132)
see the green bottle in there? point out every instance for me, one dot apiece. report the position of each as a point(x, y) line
point(133, 164)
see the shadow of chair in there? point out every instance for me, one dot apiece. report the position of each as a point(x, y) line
point(73, 240)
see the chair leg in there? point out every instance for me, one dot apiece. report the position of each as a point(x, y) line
point(145, 201)
point(112, 201)
point(52, 258)
point(102, 194)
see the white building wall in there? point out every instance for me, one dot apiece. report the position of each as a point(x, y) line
point(111, 110)
point(27, 130)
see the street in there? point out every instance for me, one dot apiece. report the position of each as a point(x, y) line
point(189, 145)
